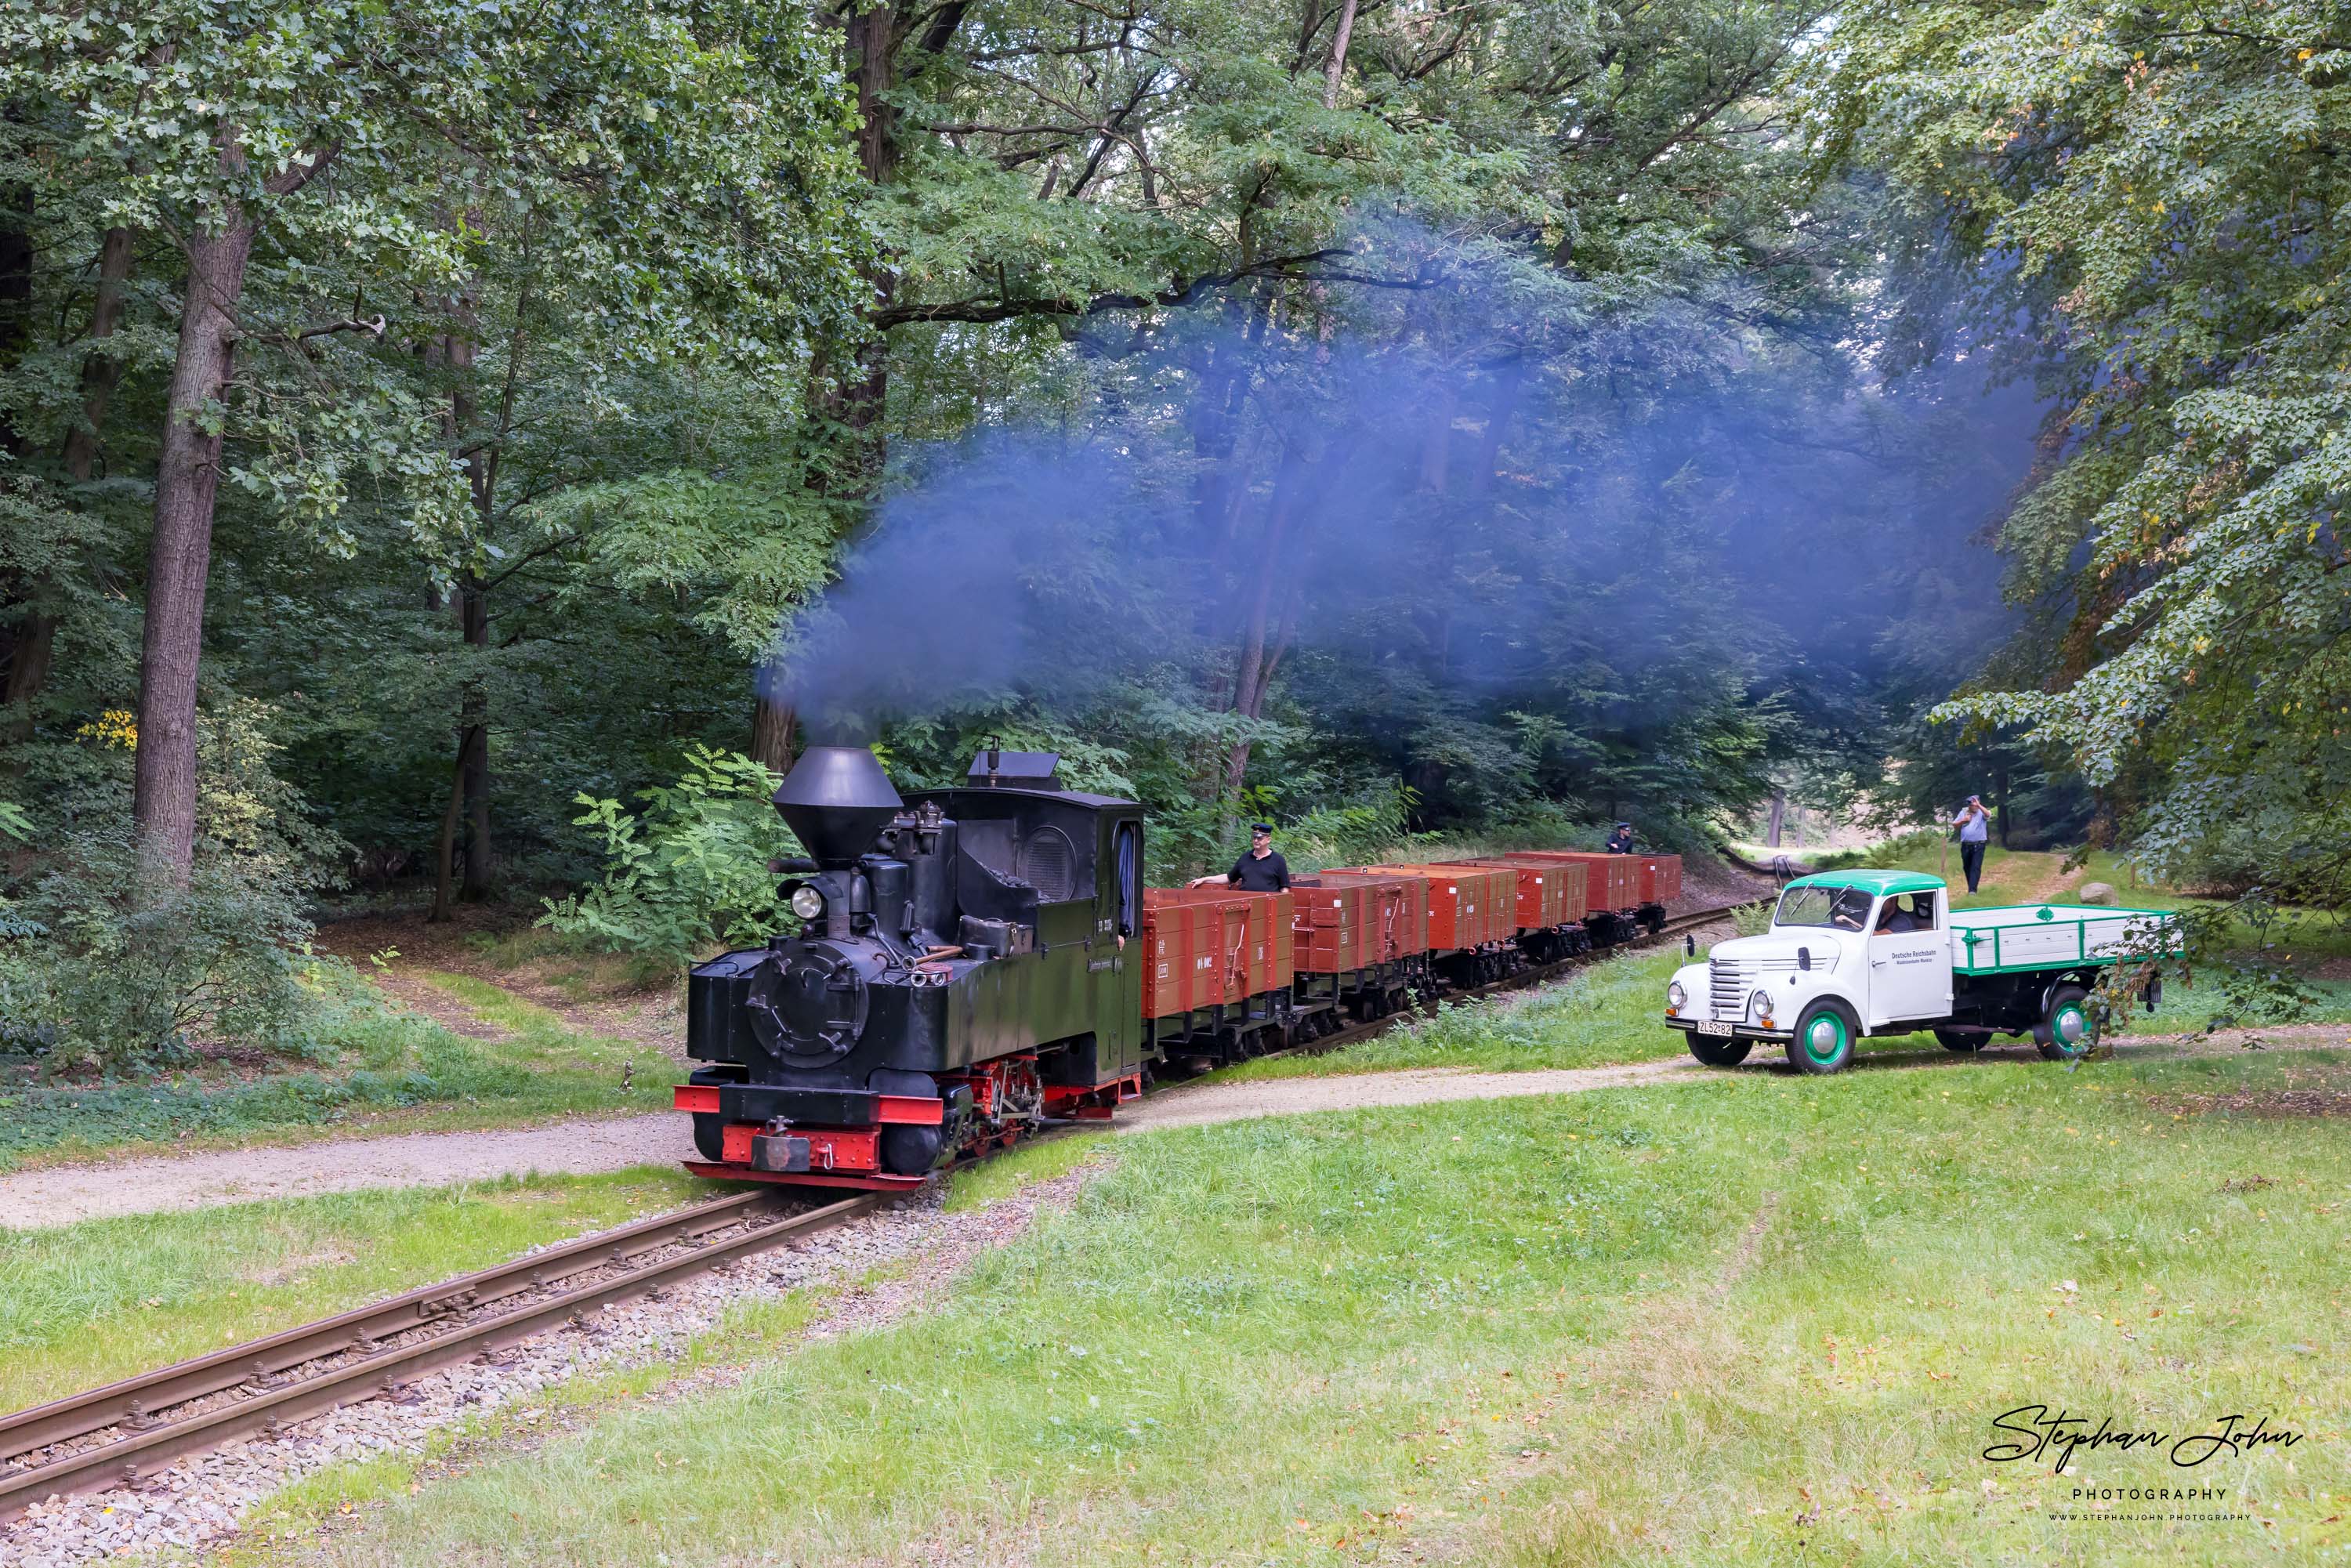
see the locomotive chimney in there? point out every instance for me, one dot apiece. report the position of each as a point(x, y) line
point(837, 801)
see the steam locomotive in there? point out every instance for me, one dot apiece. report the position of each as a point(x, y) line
point(973, 962)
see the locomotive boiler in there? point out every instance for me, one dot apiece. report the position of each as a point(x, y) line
point(965, 967)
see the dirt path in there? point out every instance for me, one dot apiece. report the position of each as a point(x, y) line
point(1194, 1105)
point(589, 1005)
point(177, 1183)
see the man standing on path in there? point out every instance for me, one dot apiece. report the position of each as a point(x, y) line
point(1260, 871)
point(1975, 827)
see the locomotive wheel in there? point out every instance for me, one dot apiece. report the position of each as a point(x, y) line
point(709, 1136)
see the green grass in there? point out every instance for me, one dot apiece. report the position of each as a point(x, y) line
point(974, 1187)
point(1499, 1332)
point(85, 1304)
point(394, 1072)
point(1606, 1013)
point(574, 965)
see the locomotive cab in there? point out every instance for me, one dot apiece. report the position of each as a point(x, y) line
point(959, 977)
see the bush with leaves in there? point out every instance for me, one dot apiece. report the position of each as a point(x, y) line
point(100, 972)
point(690, 869)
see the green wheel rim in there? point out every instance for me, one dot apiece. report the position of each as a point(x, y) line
point(1830, 1025)
point(2070, 1030)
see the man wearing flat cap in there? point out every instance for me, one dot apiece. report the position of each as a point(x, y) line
point(1620, 842)
point(1260, 871)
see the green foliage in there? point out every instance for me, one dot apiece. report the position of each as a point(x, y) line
point(689, 869)
point(1918, 845)
point(2147, 187)
point(97, 974)
point(113, 979)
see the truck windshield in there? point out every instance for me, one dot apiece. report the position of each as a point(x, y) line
point(1844, 908)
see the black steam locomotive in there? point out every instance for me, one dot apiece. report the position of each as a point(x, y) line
point(965, 969)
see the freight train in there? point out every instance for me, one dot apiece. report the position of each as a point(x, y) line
point(973, 962)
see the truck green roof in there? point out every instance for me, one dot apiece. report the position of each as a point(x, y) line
point(1877, 883)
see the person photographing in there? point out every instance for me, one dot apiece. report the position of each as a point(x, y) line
point(1975, 830)
point(1262, 869)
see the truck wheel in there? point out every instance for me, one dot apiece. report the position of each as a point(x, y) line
point(2067, 1030)
point(1963, 1038)
point(1716, 1051)
point(1824, 1039)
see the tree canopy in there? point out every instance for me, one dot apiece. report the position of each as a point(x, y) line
point(1500, 417)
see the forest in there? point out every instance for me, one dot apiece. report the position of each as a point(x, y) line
point(456, 454)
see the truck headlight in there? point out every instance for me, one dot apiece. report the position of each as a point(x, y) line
point(1675, 996)
point(806, 903)
point(1759, 1006)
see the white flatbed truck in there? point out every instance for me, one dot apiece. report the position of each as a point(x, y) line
point(1855, 953)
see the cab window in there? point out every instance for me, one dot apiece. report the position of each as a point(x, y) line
point(1899, 916)
point(1839, 908)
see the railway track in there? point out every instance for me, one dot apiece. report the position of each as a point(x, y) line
point(126, 1431)
point(116, 1435)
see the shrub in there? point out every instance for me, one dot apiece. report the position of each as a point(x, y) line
point(100, 972)
point(97, 972)
point(688, 870)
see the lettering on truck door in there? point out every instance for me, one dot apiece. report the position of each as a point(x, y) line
point(1910, 970)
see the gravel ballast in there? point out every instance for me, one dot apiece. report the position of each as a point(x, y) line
point(203, 1500)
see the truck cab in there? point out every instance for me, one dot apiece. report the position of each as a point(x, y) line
point(1855, 953)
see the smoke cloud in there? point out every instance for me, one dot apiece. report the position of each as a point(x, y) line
point(1447, 494)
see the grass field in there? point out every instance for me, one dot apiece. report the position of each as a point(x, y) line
point(1766, 1320)
point(395, 1070)
point(84, 1305)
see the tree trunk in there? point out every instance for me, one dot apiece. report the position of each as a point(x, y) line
point(25, 631)
point(16, 293)
point(2000, 802)
point(771, 727)
point(863, 395)
point(474, 746)
point(187, 480)
point(99, 372)
point(1778, 816)
point(28, 668)
point(445, 854)
point(1255, 674)
point(1337, 69)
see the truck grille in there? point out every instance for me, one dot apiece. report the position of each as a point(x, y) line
point(1727, 988)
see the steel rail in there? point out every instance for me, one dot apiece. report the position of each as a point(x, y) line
point(147, 1441)
point(149, 1438)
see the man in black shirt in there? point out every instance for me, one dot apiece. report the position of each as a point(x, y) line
point(1620, 842)
point(1260, 871)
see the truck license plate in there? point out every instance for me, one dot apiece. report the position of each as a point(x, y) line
point(1714, 1028)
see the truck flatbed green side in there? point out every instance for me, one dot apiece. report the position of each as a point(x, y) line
point(2008, 937)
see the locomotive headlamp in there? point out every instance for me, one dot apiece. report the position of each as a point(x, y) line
point(806, 903)
point(1675, 996)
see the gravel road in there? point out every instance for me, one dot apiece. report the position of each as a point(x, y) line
point(67, 1195)
point(158, 1184)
